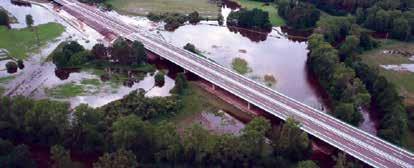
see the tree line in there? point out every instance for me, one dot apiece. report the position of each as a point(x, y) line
point(333, 49)
point(175, 20)
point(393, 17)
point(298, 14)
point(254, 18)
point(71, 54)
point(131, 132)
point(340, 81)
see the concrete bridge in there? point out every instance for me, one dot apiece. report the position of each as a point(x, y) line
point(355, 142)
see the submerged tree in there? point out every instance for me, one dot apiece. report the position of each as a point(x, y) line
point(159, 79)
point(11, 67)
point(4, 18)
point(194, 17)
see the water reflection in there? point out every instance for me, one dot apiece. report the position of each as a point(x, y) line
point(64, 74)
point(40, 15)
point(277, 55)
point(253, 35)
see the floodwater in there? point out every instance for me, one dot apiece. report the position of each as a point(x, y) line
point(266, 53)
point(40, 15)
point(280, 53)
point(273, 53)
point(39, 75)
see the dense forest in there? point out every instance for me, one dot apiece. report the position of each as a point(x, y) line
point(299, 15)
point(351, 84)
point(132, 131)
point(394, 17)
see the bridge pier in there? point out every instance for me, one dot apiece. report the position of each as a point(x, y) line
point(248, 106)
point(213, 86)
point(185, 71)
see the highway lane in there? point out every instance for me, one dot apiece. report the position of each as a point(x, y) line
point(123, 30)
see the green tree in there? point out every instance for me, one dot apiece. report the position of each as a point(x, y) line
point(341, 161)
point(253, 139)
point(18, 157)
point(348, 113)
point(20, 64)
point(191, 47)
point(167, 143)
point(12, 116)
point(120, 159)
point(47, 121)
point(4, 18)
point(138, 53)
point(291, 142)
point(121, 52)
point(159, 79)
point(307, 164)
point(220, 19)
point(99, 51)
point(132, 133)
point(197, 144)
point(79, 58)
point(194, 17)
point(5, 147)
point(367, 42)
point(400, 29)
point(63, 56)
point(61, 158)
point(181, 84)
point(11, 67)
point(349, 47)
point(88, 127)
point(29, 21)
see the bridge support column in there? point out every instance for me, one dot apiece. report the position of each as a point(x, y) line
point(213, 86)
point(248, 105)
point(185, 71)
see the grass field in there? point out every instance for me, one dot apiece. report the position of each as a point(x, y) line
point(65, 90)
point(275, 19)
point(143, 7)
point(403, 80)
point(21, 42)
